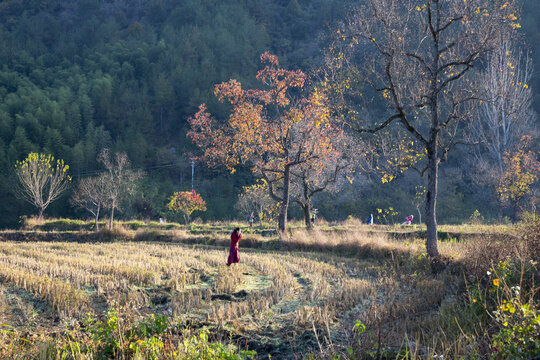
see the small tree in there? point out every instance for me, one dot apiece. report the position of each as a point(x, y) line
point(419, 200)
point(119, 180)
point(92, 195)
point(186, 202)
point(311, 179)
point(41, 180)
point(255, 199)
point(522, 170)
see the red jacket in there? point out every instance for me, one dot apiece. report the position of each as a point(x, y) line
point(235, 238)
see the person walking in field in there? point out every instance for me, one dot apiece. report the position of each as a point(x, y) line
point(234, 256)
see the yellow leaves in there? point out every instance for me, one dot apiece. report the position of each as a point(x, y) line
point(507, 306)
point(186, 202)
point(504, 5)
point(387, 178)
point(496, 282)
point(522, 170)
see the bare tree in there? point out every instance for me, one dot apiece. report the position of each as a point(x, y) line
point(310, 179)
point(418, 56)
point(92, 195)
point(41, 180)
point(119, 179)
point(419, 199)
point(505, 115)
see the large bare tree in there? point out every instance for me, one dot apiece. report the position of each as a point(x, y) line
point(119, 179)
point(418, 56)
point(506, 114)
point(41, 180)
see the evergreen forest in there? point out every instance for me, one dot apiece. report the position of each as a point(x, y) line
point(80, 76)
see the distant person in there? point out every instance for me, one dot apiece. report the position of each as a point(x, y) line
point(251, 217)
point(370, 220)
point(234, 256)
point(314, 215)
point(408, 220)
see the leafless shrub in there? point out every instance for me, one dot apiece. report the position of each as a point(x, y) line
point(119, 180)
point(91, 195)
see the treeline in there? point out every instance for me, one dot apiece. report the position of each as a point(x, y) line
point(80, 76)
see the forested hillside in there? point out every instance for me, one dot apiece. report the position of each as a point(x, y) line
point(79, 76)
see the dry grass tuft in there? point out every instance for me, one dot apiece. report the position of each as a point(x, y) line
point(351, 243)
point(31, 222)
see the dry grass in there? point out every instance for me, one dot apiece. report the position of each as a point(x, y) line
point(306, 292)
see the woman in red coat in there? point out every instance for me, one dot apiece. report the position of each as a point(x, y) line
point(234, 256)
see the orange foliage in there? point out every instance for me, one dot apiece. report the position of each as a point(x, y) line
point(522, 170)
point(267, 129)
point(186, 202)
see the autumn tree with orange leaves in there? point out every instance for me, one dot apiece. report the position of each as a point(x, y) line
point(186, 202)
point(268, 129)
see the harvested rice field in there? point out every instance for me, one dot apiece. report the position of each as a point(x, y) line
point(317, 296)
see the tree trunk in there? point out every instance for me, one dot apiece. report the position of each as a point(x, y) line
point(111, 218)
point(431, 198)
point(41, 210)
point(499, 212)
point(97, 218)
point(307, 215)
point(282, 220)
point(432, 151)
point(306, 206)
point(419, 214)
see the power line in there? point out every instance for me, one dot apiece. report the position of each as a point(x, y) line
point(151, 167)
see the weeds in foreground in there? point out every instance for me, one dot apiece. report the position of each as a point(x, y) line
point(118, 337)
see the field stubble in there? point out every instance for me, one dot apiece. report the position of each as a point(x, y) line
point(305, 296)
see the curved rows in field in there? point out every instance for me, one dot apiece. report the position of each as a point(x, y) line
point(273, 291)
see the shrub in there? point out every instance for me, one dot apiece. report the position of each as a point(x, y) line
point(197, 346)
